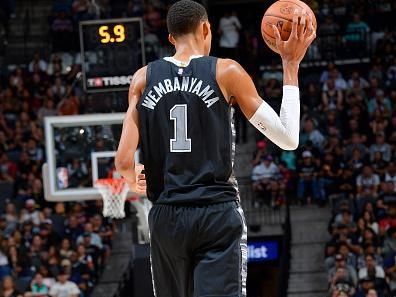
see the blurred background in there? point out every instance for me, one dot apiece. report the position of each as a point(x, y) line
point(322, 219)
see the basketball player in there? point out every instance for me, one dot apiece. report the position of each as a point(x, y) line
point(180, 112)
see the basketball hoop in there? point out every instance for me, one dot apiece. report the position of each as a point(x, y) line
point(114, 192)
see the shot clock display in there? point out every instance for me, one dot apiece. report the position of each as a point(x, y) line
point(111, 50)
point(117, 34)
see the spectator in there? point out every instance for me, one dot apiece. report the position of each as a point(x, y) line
point(58, 90)
point(65, 249)
point(369, 221)
point(11, 218)
point(367, 184)
point(390, 174)
point(63, 287)
point(31, 214)
point(342, 270)
point(307, 182)
point(355, 143)
point(37, 62)
point(95, 238)
point(259, 154)
point(356, 77)
point(56, 67)
point(37, 287)
point(5, 269)
point(229, 28)
point(8, 169)
point(349, 257)
point(69, 105)
point(8, 288)
point(73, 229)
point(330, 174)
point(102, 229)
point(381, 103)
point(336, 77)
point(332, 98)
point(91, 250)
point(325, 75)
point(265, 170)
point(48, 280)
point(372, 270)
point(379, 165)
point(372, 250)
point(356, 162)
point(78, 173)
point(310, 133)
point(390, 243)
point(356, 33)
point(34, 152)
point(262, 175)
point(47, 110)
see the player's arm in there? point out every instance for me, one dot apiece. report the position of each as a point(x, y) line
point(124, 160)
point(238, 87)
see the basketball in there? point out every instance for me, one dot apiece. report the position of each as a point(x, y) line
point(281, 14)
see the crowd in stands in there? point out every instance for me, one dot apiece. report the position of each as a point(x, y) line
point(347, 155)
point(45, 249)
point(67, 15)
point(346, 158)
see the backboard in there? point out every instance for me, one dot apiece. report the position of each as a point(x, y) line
point(80, 149)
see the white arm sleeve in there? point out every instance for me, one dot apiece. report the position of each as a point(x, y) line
point(282, 130)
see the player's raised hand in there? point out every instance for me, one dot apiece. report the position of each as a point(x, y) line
point(302, 35)
point(138, 186)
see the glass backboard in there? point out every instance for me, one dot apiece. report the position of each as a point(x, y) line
point(80, 149)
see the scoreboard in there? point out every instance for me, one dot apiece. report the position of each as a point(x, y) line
point(111, 51)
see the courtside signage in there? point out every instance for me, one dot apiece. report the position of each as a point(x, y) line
point(262, 251)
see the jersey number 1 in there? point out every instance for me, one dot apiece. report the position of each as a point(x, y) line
point(179, 144)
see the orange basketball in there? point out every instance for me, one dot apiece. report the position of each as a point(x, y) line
point(281, 14)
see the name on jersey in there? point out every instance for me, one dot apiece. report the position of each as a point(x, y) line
point(186, 84)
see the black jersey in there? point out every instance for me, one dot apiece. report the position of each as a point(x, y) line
point(186, 134)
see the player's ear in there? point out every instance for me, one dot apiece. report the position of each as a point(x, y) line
point(171, 39)
point(206, 29)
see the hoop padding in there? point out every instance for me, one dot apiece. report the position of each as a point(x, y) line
point(114, 193)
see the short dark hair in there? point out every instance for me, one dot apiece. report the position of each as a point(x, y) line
point(184, 17)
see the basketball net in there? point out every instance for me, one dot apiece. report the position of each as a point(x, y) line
point(114, 192)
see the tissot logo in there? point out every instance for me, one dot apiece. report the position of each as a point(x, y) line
point(110, 81)
point(98, 82)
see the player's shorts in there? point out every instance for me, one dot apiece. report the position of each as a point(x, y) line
point(198, 251)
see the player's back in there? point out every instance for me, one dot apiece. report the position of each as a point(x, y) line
point(186, 134)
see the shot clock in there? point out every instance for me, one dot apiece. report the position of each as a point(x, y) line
point(111, 51)
point(114, 33)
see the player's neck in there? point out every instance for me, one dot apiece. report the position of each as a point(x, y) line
point(187, 48)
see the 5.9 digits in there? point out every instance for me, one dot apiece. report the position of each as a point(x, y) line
point(118, 32)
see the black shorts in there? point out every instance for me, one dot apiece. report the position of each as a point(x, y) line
point(198, 251)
